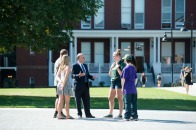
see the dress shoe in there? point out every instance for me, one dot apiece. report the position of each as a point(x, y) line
point(90, 116)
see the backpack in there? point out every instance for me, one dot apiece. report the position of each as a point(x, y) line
point(159, 77)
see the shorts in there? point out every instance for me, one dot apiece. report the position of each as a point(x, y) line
point(116, 84)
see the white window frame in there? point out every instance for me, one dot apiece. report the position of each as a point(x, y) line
point(162, 12)
point(31, 52)
point(139, 25)
point(126, 10)
point(100, 12)
point(179, 25)
point(86, 24)
point(31, 80)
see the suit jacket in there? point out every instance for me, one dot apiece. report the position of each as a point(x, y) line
point(79, 82)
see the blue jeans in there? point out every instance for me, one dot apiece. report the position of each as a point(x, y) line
point(130, 101)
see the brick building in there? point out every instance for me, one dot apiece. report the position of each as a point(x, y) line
point(134, 26)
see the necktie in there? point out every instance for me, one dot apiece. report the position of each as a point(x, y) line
point(83, 69)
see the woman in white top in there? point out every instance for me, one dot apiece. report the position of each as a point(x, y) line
point(64, 89)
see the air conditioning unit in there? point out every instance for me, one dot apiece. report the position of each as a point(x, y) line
point(126, 26)
point(139, 26)
point(179, 25)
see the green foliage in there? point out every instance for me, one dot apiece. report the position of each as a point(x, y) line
point(41, 24)
point(101, 83)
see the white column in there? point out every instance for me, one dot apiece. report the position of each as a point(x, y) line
point(116, 43)
point(71, 51)
point(112, 49)
point(50, 74)
point(75, 49)
point(159, 50)
point(155, 48)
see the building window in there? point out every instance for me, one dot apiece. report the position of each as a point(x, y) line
point(166, 52)
point(31, 81)
point(125, 48)
point(139, 14)
point(99, 18)
point(31, 51)
point(86, 50)
point(126, 14)
point(99, 52)
point(86, 24)
point(166, 14)
point(179, 13)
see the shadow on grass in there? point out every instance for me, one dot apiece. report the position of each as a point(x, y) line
point(96, 103)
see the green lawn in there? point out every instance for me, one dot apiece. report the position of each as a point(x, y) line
point(148, 99)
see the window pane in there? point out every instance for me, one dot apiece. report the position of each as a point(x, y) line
point(166, 3)
point(99, 52)
point(99, 18)
point(179, 17)
point(125, 48)
point(125, 3)
point(99, 21)
point(179, 5)
point(86, 50)
point(139, 6)
point(139, 18)
point(125, 11)
point(126, 18)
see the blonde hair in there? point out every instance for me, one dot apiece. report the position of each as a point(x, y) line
point(117, 52)
point(64, 62)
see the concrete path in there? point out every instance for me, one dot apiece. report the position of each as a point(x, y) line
point(41, 119)
point(192, 89)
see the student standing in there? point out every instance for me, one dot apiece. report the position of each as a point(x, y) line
point(115, 88)
point(129, 90)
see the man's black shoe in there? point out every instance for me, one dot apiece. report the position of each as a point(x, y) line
point(90, 116)
point(55, 114)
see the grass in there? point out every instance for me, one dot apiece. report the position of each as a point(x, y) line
point(148, 99)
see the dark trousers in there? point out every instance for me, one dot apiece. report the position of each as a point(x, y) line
point(130, 101)
point(84, 96)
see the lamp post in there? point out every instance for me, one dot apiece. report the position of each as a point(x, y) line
point(164, 39)
point(191, 40)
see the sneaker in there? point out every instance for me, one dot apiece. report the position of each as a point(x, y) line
point(126, 119)
point(108, 116)
point(118, 117)
point(55, 114)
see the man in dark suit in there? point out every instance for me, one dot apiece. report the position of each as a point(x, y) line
point(81, 77)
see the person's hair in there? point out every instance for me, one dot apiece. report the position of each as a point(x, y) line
point(78, 56)
point(187, 68)
point(63, 52)
point(64, 62)
point(117, 52)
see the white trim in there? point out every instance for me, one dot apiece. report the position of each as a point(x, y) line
point(8, 68)
point(75, 49)
point(155, 50)
point(159, 50)
point(128, 33)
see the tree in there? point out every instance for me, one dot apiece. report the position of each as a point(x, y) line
point(41, 24)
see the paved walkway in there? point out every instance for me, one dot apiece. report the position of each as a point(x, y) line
point(41, 119)
point(192, 89)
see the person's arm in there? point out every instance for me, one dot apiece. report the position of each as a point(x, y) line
point(122, 83)
point(58, 75)
point(110, 71)
point(75, 74)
